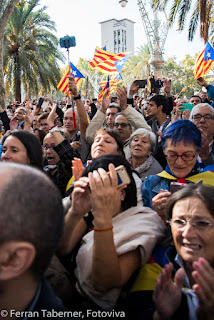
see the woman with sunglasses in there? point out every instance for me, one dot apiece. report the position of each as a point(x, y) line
point(181, 143)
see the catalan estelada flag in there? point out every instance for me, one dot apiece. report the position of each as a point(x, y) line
point(204, 61)
point(104, 89)
point(71, 69)
point(112, 84)
point(104, 61)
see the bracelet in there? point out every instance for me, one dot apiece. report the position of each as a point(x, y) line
point(52, 127)
point(105, 229)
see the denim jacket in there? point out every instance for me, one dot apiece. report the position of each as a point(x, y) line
point(151, 187)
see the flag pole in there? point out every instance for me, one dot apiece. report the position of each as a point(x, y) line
point(72, 100)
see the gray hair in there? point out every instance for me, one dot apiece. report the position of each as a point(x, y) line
point(145, 132)
point(198, 106)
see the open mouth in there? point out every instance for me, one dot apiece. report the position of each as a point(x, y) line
point(50, 159)
point(192, 246)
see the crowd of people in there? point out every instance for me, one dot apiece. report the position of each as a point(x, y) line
point(73, 240)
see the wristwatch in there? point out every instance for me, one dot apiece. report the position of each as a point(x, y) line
point(78, 97)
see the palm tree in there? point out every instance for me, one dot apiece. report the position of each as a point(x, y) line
point(137, 65)
point(30, 50)
point(201, 14)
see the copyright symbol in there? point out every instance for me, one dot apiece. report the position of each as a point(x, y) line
point(4, 313)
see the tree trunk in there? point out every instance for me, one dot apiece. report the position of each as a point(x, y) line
point(2, 88)
point(17, 78)
point(4, 17)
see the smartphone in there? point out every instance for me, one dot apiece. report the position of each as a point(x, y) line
point(186, 106)
point(40, 102)
point(113, 99)
point(175, 186)
point(122, 176)
point(141, 83)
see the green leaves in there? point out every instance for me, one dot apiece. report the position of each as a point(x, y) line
point(31, 48)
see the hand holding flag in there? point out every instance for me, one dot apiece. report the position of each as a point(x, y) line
point(71, 69)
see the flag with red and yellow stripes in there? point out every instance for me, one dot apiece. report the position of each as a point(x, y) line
point(104, 61)
point(70, 70)
point(112, 83)
point(204, 61)
point(104, 89)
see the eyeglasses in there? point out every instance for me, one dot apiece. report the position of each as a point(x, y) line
point(46, 147)
point(207, 116)
point(200, 225)
point(122, 124)
point(184, 157)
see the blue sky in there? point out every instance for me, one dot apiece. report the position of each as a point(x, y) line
point(80, 18)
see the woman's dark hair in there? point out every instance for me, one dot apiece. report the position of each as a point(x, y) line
point(117, 160)
point(161, 101)
point(203, 192)
point(182, 130)
point(114, 135)
point(41, 134)
point(31, 143)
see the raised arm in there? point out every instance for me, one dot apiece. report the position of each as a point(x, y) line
point(75, 226)
point(5, 119)
point(98, 119)
point(135, 118)
point(108, 270)
point(83, 120)
point(29, 116)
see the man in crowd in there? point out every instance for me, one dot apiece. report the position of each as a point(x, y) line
point(75, 122)
point(43, 123)
point(132, 116)
point(195, 100)
point(20, 116)
point(31, 220)
point(202, 115)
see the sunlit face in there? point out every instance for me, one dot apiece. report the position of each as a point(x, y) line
point(35, 122)
point(179, 167)
point(13, 150)
point(141, 146)
point(122, 127)
point(68, 121)
point(195, 100)
point(204, 125)
point(190, 242)
point(43, 123)
point(152, 109)
point(204, 96)
point(51, 155)
point(111, 114)
point(103, 144)
point(19, 113)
